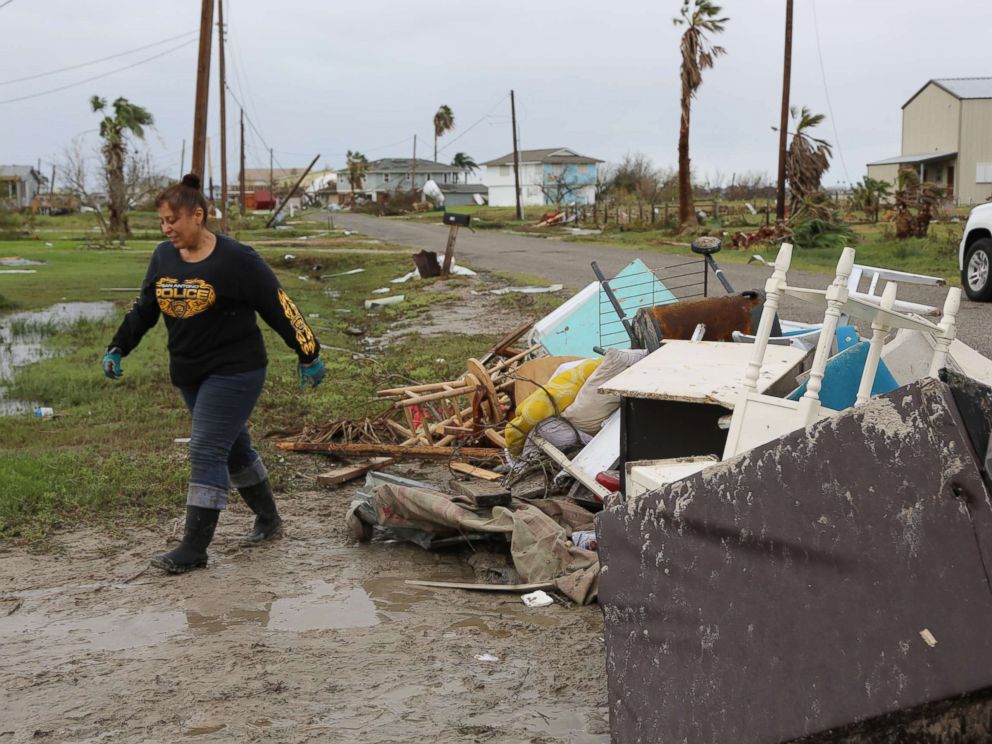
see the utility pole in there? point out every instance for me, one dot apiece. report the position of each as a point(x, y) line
point(292, 191)
point(272, 187)
point(413, 169)
point(241, 175)
point(202, 86)
point(223, 117)
point(210, 173)
point(784, 121)
point(51, 193)
point(516, 155)
point(182, 161)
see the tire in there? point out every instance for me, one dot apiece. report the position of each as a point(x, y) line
point(976, 276)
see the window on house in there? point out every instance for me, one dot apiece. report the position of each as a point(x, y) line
point(983, 173)
point(445, 177)
point(504, 170)
point(385, 177)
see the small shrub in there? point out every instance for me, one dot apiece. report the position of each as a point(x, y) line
point(815, 233)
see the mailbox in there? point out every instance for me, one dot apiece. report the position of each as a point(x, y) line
point(453, 218)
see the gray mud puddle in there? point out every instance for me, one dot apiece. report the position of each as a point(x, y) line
point(24, 340)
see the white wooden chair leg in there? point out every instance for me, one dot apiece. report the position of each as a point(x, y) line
point(773, 292)
point(948, 329)
point(879, 329)
point(836, 296)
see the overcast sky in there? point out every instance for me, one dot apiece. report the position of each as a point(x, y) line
point(318, 76)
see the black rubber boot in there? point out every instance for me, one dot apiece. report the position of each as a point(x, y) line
point(192, 551)
point(268, 523)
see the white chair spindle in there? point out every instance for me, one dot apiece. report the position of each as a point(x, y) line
point(948, 330)
point(773, 293)
point(836, 296)
point(879, 329)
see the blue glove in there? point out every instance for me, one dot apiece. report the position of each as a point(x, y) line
point(312, 374)
point(112, 364)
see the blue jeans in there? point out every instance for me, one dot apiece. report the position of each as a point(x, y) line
point(220, 450)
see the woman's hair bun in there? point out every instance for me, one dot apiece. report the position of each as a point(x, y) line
point(193, 181)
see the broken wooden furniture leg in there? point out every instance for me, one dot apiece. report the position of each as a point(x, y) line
point(879, 329)
point(773, 293)
point(836, 296)
point(948, 330)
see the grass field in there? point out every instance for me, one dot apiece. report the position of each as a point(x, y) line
point(108, 455)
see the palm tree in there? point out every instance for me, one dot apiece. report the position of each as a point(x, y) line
point(128, 119)
point(868, 195)
point(444, 121)
point(808, 158)
point(700, 17)
point(358, 166)
point(466, 163)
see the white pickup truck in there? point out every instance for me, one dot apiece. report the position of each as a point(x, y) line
point(975, 254)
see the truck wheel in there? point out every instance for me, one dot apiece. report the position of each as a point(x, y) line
point(977, 273)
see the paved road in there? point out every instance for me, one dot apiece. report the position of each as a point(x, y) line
point(568, 263)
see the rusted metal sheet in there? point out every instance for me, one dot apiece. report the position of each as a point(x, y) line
point(833, 580)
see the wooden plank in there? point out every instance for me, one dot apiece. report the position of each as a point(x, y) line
point(708, 372)
point(346, 473)
point(394, 450)
point(483, 587)
point(481, 473)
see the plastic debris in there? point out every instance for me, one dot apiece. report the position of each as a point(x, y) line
point(585, 539)
point(486, 657)
point(372, 304)
point(540, 598)
point(43, 411)
point(342, 273)
point(522, 290)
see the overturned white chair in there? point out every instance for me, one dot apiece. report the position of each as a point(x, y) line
point(758, 419)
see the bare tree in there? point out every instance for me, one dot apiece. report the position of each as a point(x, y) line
point(74, 169)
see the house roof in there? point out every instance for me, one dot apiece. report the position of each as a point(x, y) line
point(961, 88)
point(550, 155)
point(402, 165)
point(463, 188)
point(927, 157)
point(19, 171)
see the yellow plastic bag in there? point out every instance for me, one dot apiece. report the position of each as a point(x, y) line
point(552, 400)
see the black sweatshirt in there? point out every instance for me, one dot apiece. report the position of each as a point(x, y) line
point(209, 309)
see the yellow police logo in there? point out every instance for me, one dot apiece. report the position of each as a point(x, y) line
point(304, 336)
point(183, 298)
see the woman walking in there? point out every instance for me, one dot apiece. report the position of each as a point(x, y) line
point(209, 288)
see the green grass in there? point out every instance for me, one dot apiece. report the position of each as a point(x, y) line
point(108, 457)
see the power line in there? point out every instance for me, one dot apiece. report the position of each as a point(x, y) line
point(102, 75)
point(826, 93)
point(6, 3)
point(95, 61)
point(473, 126)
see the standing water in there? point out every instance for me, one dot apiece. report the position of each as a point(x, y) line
point(23, 340)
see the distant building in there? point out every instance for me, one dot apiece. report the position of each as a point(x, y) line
point(947, 138)
point(19, 184)
point(464, 194)
point(553, 175)
point(389, 175)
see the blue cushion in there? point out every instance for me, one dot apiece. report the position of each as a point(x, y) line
point(843, 376)
point(847, 336)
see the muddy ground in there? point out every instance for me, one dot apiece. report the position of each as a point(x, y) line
point(313, 638)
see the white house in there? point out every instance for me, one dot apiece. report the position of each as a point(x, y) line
point(19, 184)
point(389, 175)
point(554, 175)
